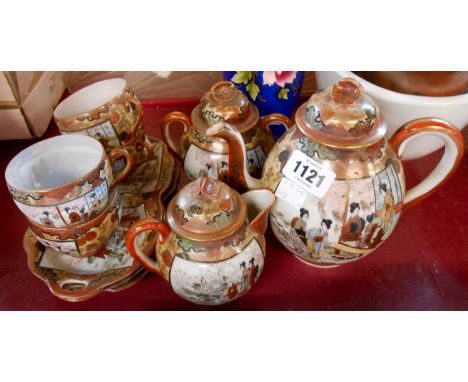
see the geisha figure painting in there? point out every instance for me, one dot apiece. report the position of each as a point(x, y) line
point(347, 223)
point(317, 238)
point(367, 223)
point(353, 227)
point(298, 231)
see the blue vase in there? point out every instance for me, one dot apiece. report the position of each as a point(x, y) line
point(271, 92)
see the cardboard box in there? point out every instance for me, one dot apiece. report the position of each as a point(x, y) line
point(7, 97)
point(27, 101)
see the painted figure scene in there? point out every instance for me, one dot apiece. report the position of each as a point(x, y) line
point(348, 223)
point(220, 282)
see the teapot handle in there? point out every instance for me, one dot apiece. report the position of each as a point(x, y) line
point(454, 148)
point(142, 226)
point(175, 116)
point(274, 117)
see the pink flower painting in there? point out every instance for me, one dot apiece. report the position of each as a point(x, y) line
point(280, 78)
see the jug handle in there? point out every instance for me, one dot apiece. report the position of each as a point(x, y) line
point(142, 226)
point(114, 155)
point(274, 117)
point(447, 166)
point(175, 116)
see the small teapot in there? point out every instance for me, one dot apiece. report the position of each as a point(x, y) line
point(339, 184)
point(205, 156)
point(212, 248)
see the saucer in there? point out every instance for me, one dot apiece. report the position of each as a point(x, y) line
point(113, 269)
point(167, 194)
point(169, 179)
point(78, 279)
point(151, 182)
point(130, 281)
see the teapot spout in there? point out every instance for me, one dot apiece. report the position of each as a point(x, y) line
point(239, 177)
point(259, 204)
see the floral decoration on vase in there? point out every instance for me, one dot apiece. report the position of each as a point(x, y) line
point(270, 91)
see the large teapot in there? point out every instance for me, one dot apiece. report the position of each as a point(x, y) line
point(339, 184)
point(212, 247)
point(205, 156)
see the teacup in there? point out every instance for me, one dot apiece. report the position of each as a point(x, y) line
point(65, 180)
point(107, 111)
point(82, 240)
point(399, 109)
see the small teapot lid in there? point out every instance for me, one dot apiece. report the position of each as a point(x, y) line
point(342, 115)
point(225, 102)
point(206, 209)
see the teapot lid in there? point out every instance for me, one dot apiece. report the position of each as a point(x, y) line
point(342, 115)
point(206, 209)
point(225, 102)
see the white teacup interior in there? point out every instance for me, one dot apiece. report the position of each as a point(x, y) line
point(90, 98)
point(54, 162)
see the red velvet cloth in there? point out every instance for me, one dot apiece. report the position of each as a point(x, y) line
point(423, 265)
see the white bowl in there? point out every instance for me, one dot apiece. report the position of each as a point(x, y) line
point(398, 109)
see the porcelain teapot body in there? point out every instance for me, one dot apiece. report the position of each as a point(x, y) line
point(340, 185)
point(212, 248)
point(208, 156)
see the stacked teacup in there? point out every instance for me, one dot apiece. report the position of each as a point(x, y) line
point(109, 112)
point(66, 188)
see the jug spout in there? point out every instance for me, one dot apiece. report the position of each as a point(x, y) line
point(239, 177)
point(259, 204)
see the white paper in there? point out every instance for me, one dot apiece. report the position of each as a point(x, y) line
point(308, 174)
point(291, 193)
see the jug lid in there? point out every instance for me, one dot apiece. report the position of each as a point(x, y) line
point(225, 102)
point(205, 210)
point(342, 115)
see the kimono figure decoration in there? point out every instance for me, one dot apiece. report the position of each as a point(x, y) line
point(209, 171)
point(45, 218)
point(249, 277)
point(102, 139)
point(245, 277)
point(369, 230)
point(353, 227)
point(223, 171)
point(74, 216)
point(253, 272)
point(317, 238)
point(232, 291)
point(251, 167)
point(387, 209)
point(203, 287)
point(298, 230)
point(94, 203)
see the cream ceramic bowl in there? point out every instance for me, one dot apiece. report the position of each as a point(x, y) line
point(398, 109)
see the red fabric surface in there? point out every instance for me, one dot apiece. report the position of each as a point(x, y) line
point(423, 265)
